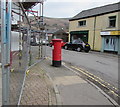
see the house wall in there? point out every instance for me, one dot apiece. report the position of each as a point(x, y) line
point(118, 21)
point(101, 23)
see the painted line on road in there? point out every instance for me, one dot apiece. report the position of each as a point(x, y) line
point(100, 90)
point(85, 72)
point(88, 75)
point(96, 80)
point(79, 69)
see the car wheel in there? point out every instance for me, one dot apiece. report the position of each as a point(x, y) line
point(66, 47)
point(79, 49)
point(86, 51)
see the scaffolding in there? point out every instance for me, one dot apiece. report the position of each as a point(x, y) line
point(16, 66)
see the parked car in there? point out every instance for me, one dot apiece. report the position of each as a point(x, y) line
point(77, 45)
point(35, 42)
point(63, 43)
point(45, 42)
point(50, 44)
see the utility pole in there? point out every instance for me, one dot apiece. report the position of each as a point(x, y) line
point(94, 33)
point(5, 48)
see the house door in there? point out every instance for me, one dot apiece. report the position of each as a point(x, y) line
point(111, 43)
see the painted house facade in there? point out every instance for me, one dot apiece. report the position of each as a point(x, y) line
point(100, 27)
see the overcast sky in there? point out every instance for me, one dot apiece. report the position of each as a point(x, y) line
point(69, 8)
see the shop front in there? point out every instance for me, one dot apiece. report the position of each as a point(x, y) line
point(83, 35)
point(110, 41)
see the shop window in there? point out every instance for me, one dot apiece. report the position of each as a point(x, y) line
point(82, 23)
point(112, 21)
point(107, 41)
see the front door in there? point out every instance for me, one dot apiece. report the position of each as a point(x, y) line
point(111, 43)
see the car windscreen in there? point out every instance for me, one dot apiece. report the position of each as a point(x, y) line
point(77, 41)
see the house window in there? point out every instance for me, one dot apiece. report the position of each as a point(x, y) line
point(82, 23)
point(112, 21)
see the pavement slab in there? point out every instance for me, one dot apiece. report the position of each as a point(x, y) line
point(73, 89)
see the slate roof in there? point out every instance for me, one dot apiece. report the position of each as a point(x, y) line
point(97, 11)
point(60, 31)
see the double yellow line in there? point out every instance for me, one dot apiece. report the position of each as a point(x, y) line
point(97, 79)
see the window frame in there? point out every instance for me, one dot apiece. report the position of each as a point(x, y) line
point(84, 23)
point(110, 19)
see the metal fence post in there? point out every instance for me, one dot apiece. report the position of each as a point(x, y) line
point(5, 48)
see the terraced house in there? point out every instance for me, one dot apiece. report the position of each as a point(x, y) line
point(100, 27)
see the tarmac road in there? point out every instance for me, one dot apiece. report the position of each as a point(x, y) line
point(71, 89)
point(102, 65)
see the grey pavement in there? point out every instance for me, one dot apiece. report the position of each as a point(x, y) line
point(0, 87)
point(67, 88)
point(103, 65)
point(73, 90)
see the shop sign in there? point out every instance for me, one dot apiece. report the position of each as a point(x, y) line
point(104, 33)
point(110, 33)
point(115, 33)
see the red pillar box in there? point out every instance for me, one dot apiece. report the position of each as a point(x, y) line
point(56, 52)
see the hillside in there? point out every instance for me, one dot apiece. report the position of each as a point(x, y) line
point(56, 23)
